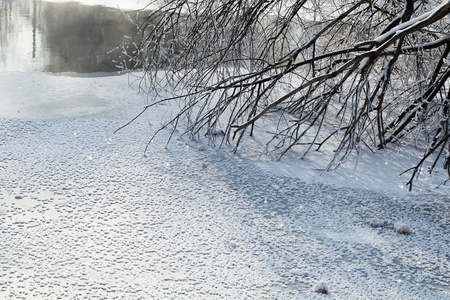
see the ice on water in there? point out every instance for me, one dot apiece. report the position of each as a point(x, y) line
point(83, 214)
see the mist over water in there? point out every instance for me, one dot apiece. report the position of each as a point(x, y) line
point(38, 36)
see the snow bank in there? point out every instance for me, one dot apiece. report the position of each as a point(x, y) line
point(45, 96)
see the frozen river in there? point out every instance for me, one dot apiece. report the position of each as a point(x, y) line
point(84, 214)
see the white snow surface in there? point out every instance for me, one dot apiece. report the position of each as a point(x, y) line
point(85, 215)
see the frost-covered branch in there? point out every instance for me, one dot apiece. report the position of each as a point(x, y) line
point(353, 73)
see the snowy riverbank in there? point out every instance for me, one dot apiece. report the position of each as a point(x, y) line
point(83, 214)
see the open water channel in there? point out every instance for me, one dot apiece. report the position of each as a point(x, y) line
point(57, 37)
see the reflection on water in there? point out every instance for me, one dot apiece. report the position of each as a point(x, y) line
point(60, 37)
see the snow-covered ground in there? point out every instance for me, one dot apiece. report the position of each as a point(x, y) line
point(85, 215)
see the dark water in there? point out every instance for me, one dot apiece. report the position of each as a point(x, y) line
point(37, 36)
